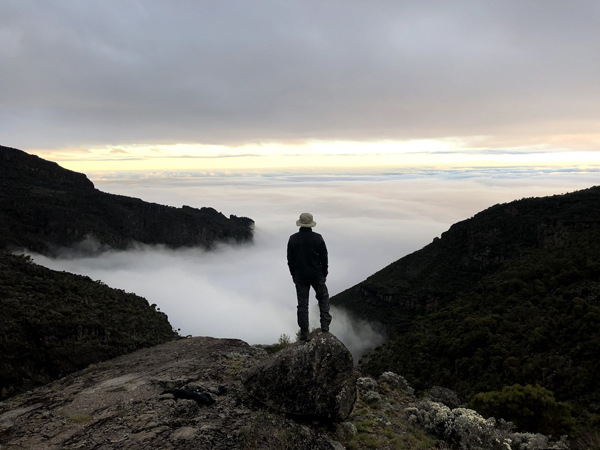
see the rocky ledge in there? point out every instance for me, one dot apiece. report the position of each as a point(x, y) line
point(122, 404)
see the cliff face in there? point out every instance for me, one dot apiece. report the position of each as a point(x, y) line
point(44, 206)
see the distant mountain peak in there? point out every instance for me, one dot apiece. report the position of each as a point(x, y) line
point(17, 166)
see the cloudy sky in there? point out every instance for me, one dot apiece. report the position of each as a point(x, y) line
point(239, 84)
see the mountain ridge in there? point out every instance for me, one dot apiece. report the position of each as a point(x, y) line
point(428, 278)
point(507, 298)
point(45, 207)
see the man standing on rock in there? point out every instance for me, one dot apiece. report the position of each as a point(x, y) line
point(308, 263)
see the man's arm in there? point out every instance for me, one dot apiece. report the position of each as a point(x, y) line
point(290, 257)
point(323, 258)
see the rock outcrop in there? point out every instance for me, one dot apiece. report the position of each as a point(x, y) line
point(313, 378)
point(118, 404)
point(45, 207)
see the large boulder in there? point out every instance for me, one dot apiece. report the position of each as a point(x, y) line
point(313, 378)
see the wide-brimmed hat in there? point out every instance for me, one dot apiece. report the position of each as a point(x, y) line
point(306, 220)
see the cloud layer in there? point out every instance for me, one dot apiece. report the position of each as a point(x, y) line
point(238, 71)
point(246, 291)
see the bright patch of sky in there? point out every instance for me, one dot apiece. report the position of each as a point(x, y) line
point(315, 154)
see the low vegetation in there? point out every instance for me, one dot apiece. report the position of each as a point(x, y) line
point(529, 407)
point(387, 416)
point(535, 322)
point(379, 420)
point(54, 323)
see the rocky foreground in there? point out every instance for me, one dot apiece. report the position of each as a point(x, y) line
point(118, 405)
point(140, 401)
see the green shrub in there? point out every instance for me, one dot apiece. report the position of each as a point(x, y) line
point(530, 408)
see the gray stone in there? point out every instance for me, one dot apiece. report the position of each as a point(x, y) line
point(313, 378)
point(117, 405)
point(335, 445)
point(184, 433)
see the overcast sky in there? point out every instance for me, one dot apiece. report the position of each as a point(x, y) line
point(99, 80)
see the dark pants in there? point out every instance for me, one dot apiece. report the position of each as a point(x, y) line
point(302, 291)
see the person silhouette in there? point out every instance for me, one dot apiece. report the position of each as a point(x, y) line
point(307, 260)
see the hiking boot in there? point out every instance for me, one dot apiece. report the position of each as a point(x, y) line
point(325, 329)
point(304, 334)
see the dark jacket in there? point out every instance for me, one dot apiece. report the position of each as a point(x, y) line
point(307, 255)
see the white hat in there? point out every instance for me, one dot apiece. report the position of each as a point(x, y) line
point(306, 220)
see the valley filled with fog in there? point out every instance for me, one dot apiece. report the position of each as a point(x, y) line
point(245, 291)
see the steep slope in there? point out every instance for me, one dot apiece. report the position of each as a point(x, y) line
point(54, 323)
point(509, 296)
point(428, 279)
point(534, 320)
point(44, 206)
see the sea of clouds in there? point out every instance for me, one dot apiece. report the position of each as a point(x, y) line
point(245, 291)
